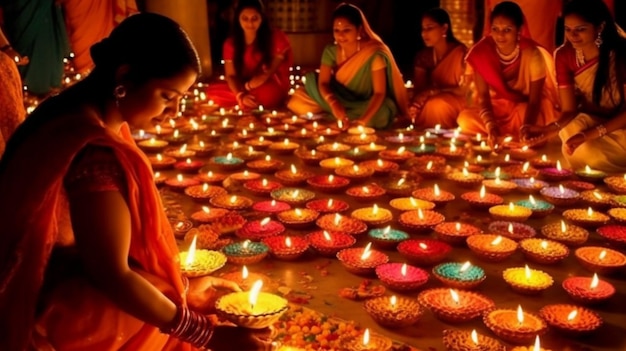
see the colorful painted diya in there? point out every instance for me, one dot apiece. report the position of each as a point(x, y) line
point(600, 260)
point(311, 157)
point(262, 186)
point(617, 184)
point(466, 178)
point(512, 230)
point(160, 162)
point(411, 203)
point(510, 212)
point(380, 166)
point(227, 163)
point(272, 206)
point(591, 175)
point(586, 218)
point(527, 281)
point(244, 176)
point(339, 223)
point(329, 243)
point(498, 186)
point(543, 251)
point(567, 234)
point(571, 319)
point(481, 199)
point(435, 195)
point(286, 247)
point(399, 155)
point(209, 215)
point(367, 192)
point(459, 275)
point(246, 252)
point(596, 199)
point(293, 176)
point(455, 233)
point(266, 165)
point(515, 326)
point(260, 229)
point(493, 248)
point(211, 177)
point(455, 306)
point(328, 205)
point(298, 217)
point(401, 277)
point(329, 183)
point(361, 260)
point(539, 208)
point(615, 234)
point(420, 220)
point(181, 182)
point(424, 251)
point(373, 215)
point(588, 290)
point(293, 196)
point(201, 262)
point(456, 340)
point(354, 172)
point(335, 163)
point(394, 312)
point(231, 202)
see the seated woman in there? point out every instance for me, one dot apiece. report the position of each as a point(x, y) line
point(257, 59)
point(513, 79)
point(358, 80)
point(88, 260)
point(591, 74)
point(439, 74)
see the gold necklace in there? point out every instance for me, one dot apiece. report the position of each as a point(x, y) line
point(510, 58)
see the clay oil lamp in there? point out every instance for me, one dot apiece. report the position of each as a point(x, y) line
point(465, 178)
point(555, 174)
point(570, 319)
point(249, 154)
point(543, 162)
point(614, 234)
point(411, 203)
point(160, 162)
point(262, 186)
point(204, 192)
point(362, 261)
point(424, 252)
point(152, 145)
point(369, 192)
point(259, 143)
point(523, 153)
point(328, 205)
point(560, 195)
point(399, 155)
point(394, 312)
point(588, 290)
point(211, 177)
point(272, 206)
point(198, 263)
point(455, 233)
point(266, 165)
point(209, 215)
point(329, 183)
point(231, 202)
point(401, 277)
point(435, 195)
point(420, 220)
point(459, 275)
point(293, 176)
point(510, 212)
point(452, 152)
point(387, 238)
point(334, 149)
point(591, 175)
point(181, 153)
point(457, 340)
point(298, 217)
point(227, 163)
point(617, 184)
point(512, 230)
point(539, 208)
point(369, 342)
point(492, 248)
point(202, 149)
point(245, 252)
point(527, 281)
point(330, 243)
point(423, 149)
point(481, 199)
point(260, 229)
point(618, 214)
point(142, 135)
point(159, 178)
point(252, 309)
point(400, 186)
point(354, 172)
point(180, 182)
point(586, 218)
point(311, 157)
point(189, 166)
point(430, 170)
point(339, 223)
point(597, 199)
point(335, 163)
point(567, 234)
point(455, 306)
point(284, 147)
point(286, 247)
point(515, 326)
point(543, 251)
point(380, 166)
point(600, 260)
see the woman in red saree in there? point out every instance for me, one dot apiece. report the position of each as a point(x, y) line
point(87, 257)
point(513, 80)
point(440, 78)
point(591, 75)
point(257, 59)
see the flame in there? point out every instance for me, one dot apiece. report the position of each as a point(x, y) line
point(563, 226)
point(268, 158)
point(273, 203)
point(254, 293)
point(244, 272)
point(594, 281)
point(465, 173)
point(420, 213)
point(597, 195)
point(520, 314)
point(403, 269)
point(331, 178)
point(245, 244)
point(233, 199)
point(531, 199)
point(544, 158)
point(366, 190)
point(423, 246)
point(298, 212)
point(527, 272)
point(455, 296)
point(474, 337)
point(479, 137)
point(589, 211)
point(327, 236)
point(229, 156)
point(337, 160)
point(401, 149)
point(465, 266)
point(561, 189)
point(511, 207)
point(413, 201)
point(265, 221)
point(510, 228)
point(558, 165)
point(337, 218)
point(544, 244)
point(179, 178)
point(482, 192)
point(191, 252)
point(429, 165)
point(602, 255)
point(572, 315)
point(366, 337)
point(367, 252)
point(393, 300)
point(537, 346)
point(355, 167)
point(587, 169)
point(401, 181)
point(375, 209)
point(525, 167)
point(507, 158)
point(288, 241)
point(497, 240)
point(264, 182)
point(159, 157)
point(293, 169)
point(436, 190)
point(329, 203)
point(497, 172)
point(457, 226)
point(206, 209)
point(386, 230)
point(296, 194)
point(286, 142)
point(188, 161)
point(379, 162)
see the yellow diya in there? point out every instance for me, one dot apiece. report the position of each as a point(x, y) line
point(586, 218)
point(527, 281)
point(515, 326)
point(600, 260)
point(618, 214)
point(251, 309)
point(358, 130)
point(567, 234)
point(571, 319)
point(335, 162)
point(489, 247)
point(394, 312)
point(617, 184)
point(510, 212)
point(543, 251)
point(354, 171)
point(373, 215)
point(197, 263)
point(411, 203)
point(231, 202)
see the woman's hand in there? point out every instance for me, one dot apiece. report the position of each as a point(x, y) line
point(19, 59)
point(420, 100)
point(574, 142)
point(237, 338)
point(493, 138)
point(249, 101)
point(533, 135)
point(204, 291)
point(256, 82)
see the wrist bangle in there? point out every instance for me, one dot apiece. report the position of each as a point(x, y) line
point(5, 48)
point(601, 129)
point(247, 86)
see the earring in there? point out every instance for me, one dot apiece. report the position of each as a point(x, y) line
point(119, 93)
point(599, 40)
point(335, 42)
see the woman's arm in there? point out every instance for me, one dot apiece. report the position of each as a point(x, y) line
point(534, 101)
point(420, 80)
point(323, 84)
point(379, 82)
point(262, 77)
point(230, 75)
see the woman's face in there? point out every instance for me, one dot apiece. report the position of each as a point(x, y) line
point(504, 33)
point(250, 20)
point(432, 32)
point(344, 32)
point(156, 100)
point(579, 32)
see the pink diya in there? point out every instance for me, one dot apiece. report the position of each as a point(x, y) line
point(298, 217)
point(204, 192)
point(272, 206)
point(600, 260)
point(293, 176)
point(362, 261)
point(424, 251)
point(420, 220)
point(209, 215)
point(244, 176)
point(339, 223)
point(571, 319)
point(328, 205)
point(481, 199)
point(286, 247)
point(189, 166)
point(329, 183)
point(260, 229)
point(181, 182)
point(210, 177)
point(380, 166)
point(455, 233)
point(555, 174)
point(159, 162)
point(399, 155)
point(588, 290)
point(455, 306)
point(373, 215)
point(329, 243)
point(401, 277)
point(262, 186)
point(493, 248)
point(367, 192)
point(435, 195)
point(512, 230)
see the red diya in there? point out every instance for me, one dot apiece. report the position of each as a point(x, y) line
point(286, 247)
point(152, 145)
point(600, 259)
point(571, 319)
point(367, 192)
point(455, 233)
point(204, 192)
point(493, 248)
point(512, 230)
point(420, 220)
point(262, 186)
point(231, 202)
point(401, 277)
point(615, 234)
point(189, 166)
point(542, 162)
point(455, 306)
point(159, 162)
point(362, 261)
point(311, 157)
point(339, 223)
point(211, 177)
point(293, 176)
point(209, 215)
point(380, 166)
point(481, 199)
point(329, 243)
point(329, 183)
point(181, 182)
point(578, 185)
point(328, 205)
point(424, 251)
point(267, 165)
point(588, 290)
point(260, 229)
point(245, 176)
point(271, 206)
point(298, 217)
point(435, 195)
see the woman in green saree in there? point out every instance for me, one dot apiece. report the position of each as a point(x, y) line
point(358, 81)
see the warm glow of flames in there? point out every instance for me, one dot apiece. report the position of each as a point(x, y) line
point(366, 337)
point(454, 295)
point(393, 300)
point(474, 337)
point(244, 272)
point(401, 181)
point(296, 194)
point(563, 227)
point(511, 207)
point(288, 241)
point(587, 169)
point(465, 172)
point(379, 162)
point(527, 272)
point(497, 240)
point(375, 209)
point(298, 212)
point(159, 157)
point(497, 172)
point(420, 213)
point(265, 221)
point(191, 252)
point(206, 209)
point(597, 195)
point(245, 244)
point(331, 178)
point(602, 255)
point(327, 236)
point(254, 293)
point(179, 178)
point(558, 165)
point(367, 252)
point(355, 168)
point(594, 281)
point(233, 199)
point(293, 169)
point(520, 314)
point(436, 190)
point(544, 244)
point(337, 219)
point(457, 226)
point(429, 165)
point(531, 199)
point(465, 266)
point(403, 269)
point(510, 228)
point(572, 315)
point(589, 212)
point(482, 192)
point(423, 246)
point(537, 346)
point(413, 201)
point(525, 167)
point(366, 190)
point(264, 182)
point(401, 150)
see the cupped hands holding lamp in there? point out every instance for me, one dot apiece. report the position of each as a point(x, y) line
point(358, 80)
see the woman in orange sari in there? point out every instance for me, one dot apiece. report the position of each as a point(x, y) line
point(439, 74)
point(513, 80)
point(591, 74)
point(88, 260)
point(358, 81)
point(257, 59)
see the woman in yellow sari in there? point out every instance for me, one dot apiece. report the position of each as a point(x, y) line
point(439, 74)
point(358, 81)
point(513, 79)
point(88, 260)
point(591, 74)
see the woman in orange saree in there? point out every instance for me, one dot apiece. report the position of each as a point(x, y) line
point(591, 75)
point(358, 81)
point(88, 260)
point(513, 80)
point(439, 78)
point(257, 59)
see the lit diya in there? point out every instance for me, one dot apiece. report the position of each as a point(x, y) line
point(334, 148)
point(543, 251)
point(423, 149)
point(176, 138)
point(244, 176)
point(361, 139)
point(227, 163)
point(159, 178)
point(614, 234)
point(591, 175)
point(361, 130)
point(455, 233)
point(567, 234)
point(420, 220)
point(311, 157)
point(523, 153)
point(394, 312)
point(466, 178)
point(159, 162)
point(424, 252)
point(368, 192)
point(600, 260)
point(209, 215)
point(373, 147)
point(586, 218)
point(455, 306)
point(543, 162)
point(231, 202)
point(556, 174)
point(411, 203)
point(495, 174)
point(181, 153)
point(560, 196)
point(588, 290)
point(521, 171)
point(286, 247)
point(456, 340)
point(452, 152)
point(369, 343)
point(292, 196)
point(527, 281)
point(380, 166)
point(298, 217)
point(152, 145)
point(578, 185)
point(245, 252)
point(249, 154)
point(481, 199)
point(401, 277)
point(262, 186)
point(271, 133)
point(180, 182)
point(435, 195)
point(515, 326)
point(202, 149)
point(211, 177)
point(512, 230)
point(204, 192)
point(328, 205)
point(354, 172)
point(266, 165)
point(259, 143)
point(284, 147)
point(510, 212)
point(430, 169)
point(180, 227)
point(400, 139)
point(539, 208)
point(493, 248)
point(618, 201)
point(142, 135)
point(189, 166)
point(339, 223)
point(293, 176)
point(571, 319)
point(251, 309)
point(399, 156)
point(328, 183)
point(481, 149)
point(459, 275)
point(362, 261)
point(499, 186)
point(387, 238)
point(335, 163)
point(330, 243)
point(400, 186)
point(618, 214)
point(272, 206)
point(617, 184)
point(596, 199)
point(372, 215)
point(259, 229)
point(197, 263)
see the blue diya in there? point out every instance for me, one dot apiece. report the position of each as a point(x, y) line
point(387, 237)
point(422, 149)
point(530, 185)
point(540, 208)
point(227, 160)
point(459, 275)
point(245, 252)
